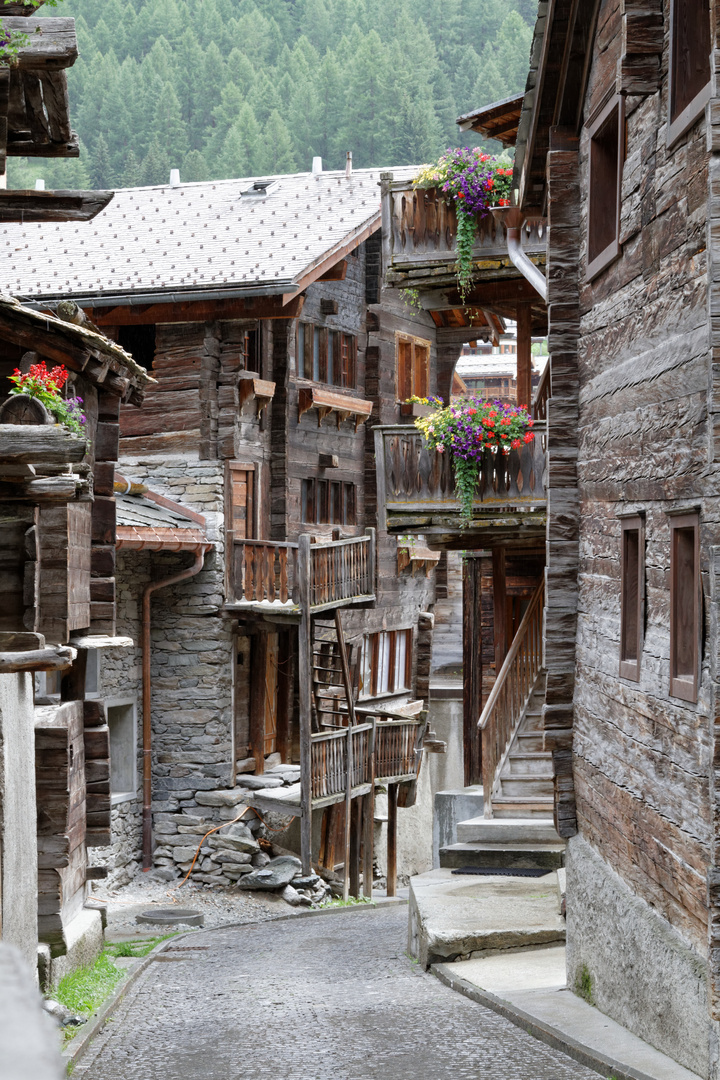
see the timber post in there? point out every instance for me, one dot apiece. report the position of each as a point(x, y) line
point(305, 695)
point(391, 873)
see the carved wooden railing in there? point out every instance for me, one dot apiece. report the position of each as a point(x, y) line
point(264, 571)
point(413, 478)
point(398, 746)
point(423, 229)
point(510, 695)
point(329, 758)
point(539, 404)
point(342, 570)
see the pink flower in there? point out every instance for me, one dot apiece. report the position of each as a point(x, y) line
point(440, 449)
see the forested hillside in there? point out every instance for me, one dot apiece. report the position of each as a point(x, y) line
point(223, 88)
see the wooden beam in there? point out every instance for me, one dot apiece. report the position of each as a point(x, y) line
point(499, 607)
point(55, 658)
point(248, 307)
point(524, 354)
point(28, 444)
point(305, 659)
point(257, 700)
point(18, 205)
point(335, 273)
point(391, 872)
point(51, 44)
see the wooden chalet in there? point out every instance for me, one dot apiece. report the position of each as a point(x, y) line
point(293, 628)
point(617, 153)
point(57, 537)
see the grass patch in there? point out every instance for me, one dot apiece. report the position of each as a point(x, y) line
point(140, 947)
point(84, 990)
point(352, 901)
point(583, 984)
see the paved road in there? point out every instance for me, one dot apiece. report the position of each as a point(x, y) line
point(327, 998)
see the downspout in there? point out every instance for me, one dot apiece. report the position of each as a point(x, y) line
point(513, 218)
point(174, 579)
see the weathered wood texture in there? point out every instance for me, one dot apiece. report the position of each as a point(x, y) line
point(646, 428)
point(61, 807)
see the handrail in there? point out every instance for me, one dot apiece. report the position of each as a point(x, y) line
point(510, 694)
point(539, 404)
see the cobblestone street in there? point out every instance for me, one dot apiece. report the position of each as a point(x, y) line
point(333, 997)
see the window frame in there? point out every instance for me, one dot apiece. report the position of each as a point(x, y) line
point(371, 651)
point(321, 498)
point(685, 685)
point(326, 356)
point(630, 668)
point(685, 119)
point(602, 259)
point(415, 343)
point(128, 794)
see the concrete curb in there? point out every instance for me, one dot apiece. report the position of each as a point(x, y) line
point(601, 1063)
point(77, 1046)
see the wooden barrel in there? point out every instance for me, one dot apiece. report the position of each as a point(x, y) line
point(24, 409)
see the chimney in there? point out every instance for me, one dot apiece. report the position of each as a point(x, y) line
point(39, 185)
point(174, 178)
point(348, 165)
point(317, 166)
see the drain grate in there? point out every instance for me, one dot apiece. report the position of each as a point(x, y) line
point(502, 871)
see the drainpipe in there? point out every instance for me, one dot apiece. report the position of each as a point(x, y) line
point(174, 579)
point(513, 218)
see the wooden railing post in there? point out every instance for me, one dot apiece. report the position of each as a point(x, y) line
point(371, 557)
point(381, 492)
point(305, 694)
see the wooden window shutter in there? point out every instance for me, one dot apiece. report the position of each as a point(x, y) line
point(685, 606)
point(323, 366)
point(404, 369)
point(690, 47)
point(632, 596)
point(607, 152)
point(300, 350)
point(421, 363)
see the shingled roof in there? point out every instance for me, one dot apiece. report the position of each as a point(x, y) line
point(225, 238)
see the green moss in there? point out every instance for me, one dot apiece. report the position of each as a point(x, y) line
point(352, 901)
point(139, 947)
point(583, 984)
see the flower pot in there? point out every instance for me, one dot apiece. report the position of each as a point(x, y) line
point(24, 409)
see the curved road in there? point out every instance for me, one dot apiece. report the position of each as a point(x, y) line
point(327, 998)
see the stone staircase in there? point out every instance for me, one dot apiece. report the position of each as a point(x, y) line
point(520, 834)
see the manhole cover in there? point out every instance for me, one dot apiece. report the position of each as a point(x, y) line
point(168, 916)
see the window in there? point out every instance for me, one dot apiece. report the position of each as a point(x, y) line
point(123, 750)
point(327, 356)
point(386, 663)
point(632, 616)
point(607, 152)
point(413, 367)
point(684, 605)
point(327, 502)
point(690, 48)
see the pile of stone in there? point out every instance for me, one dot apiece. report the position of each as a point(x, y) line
point(231, 855)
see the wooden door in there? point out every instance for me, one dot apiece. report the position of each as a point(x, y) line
point(271, 693)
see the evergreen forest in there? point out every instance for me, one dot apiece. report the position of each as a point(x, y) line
point(234, 88)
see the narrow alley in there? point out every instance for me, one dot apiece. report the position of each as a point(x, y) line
point(258, 1001)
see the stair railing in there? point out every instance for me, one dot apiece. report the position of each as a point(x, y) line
point(510, 695)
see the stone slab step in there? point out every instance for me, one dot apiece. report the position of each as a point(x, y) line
point(525, 784)
point(529, 806)
point(533, 762)
point(510, 856)
point(502, 831)
point(454, 917)
point(529, 741)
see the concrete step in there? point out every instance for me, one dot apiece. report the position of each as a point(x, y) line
point(528, 831)
point(511, 856)
point(529, 806)
point(529, 741)
point(537, 763)
point(524, 784)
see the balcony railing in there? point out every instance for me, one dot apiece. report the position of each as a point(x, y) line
point(338, 572)
point(421, 230)
point(329, 761)
point(413, 480)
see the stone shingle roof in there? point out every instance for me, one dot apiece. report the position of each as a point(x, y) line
point(212, 236)
point(144, 524)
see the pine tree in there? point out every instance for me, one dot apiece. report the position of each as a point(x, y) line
point(132, 173)
point(156, 166)
point(241, 147)
point(100, 169)
point(194, 168)
point(275, 153)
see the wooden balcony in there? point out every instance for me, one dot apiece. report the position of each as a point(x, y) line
point(271, 578)
point(420, 229)
point(416, 490)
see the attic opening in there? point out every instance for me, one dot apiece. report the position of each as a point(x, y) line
point(259, 188)
point(139, 341)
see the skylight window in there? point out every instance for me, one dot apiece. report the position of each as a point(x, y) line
point(259, 188)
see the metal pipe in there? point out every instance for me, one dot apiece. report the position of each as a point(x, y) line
point(520, 260)
point(174, 579)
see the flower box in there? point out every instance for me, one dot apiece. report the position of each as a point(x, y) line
point(414, 409)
